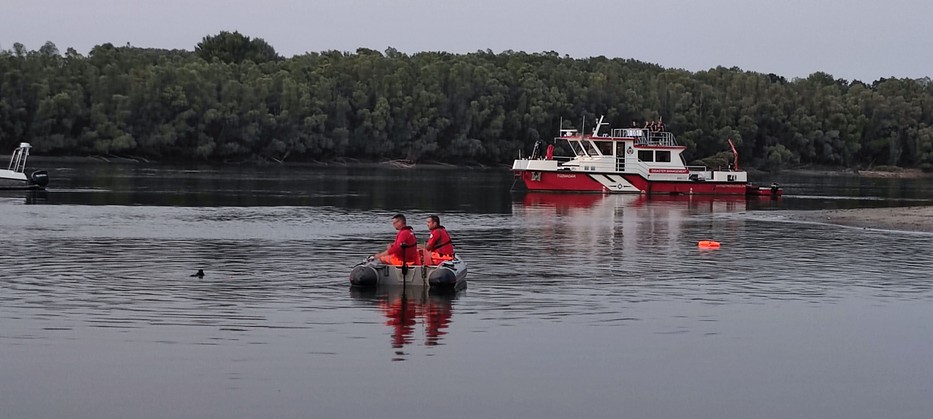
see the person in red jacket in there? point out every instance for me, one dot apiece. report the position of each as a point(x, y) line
point(438, 247)
point(404, 251)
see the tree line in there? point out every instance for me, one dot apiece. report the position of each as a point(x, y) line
point(234, 99)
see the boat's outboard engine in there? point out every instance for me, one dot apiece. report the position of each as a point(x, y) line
point(364, 276)
point(39, 177)
point(774, 189)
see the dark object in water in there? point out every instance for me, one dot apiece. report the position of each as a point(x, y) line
point(199, 273)
point(39, 178)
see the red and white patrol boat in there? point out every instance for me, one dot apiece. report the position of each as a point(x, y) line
point(629, 160)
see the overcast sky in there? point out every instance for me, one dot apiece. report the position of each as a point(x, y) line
point(850, 39)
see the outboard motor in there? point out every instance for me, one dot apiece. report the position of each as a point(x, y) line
point(40, 178)
point(774, 189)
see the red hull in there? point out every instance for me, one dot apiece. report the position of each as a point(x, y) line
point(764, 191)
point(584, 182)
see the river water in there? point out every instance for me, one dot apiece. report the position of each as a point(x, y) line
point(577, 305)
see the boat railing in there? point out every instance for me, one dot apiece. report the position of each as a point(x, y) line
point(18, 159)
point(629, 132)
point(664, 139)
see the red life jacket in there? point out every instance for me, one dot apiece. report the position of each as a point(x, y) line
point(406, 247)
point(439, 242)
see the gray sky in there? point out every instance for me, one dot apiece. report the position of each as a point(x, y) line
point(855, 39)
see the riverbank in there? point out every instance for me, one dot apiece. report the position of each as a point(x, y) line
point(898, 218)
point(899, 173)
point(41, 160)
point(46, 161)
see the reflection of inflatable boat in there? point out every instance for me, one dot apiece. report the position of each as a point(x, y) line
point(449, 274)
point(404, 309)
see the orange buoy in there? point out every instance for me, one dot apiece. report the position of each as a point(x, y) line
point(708, 244)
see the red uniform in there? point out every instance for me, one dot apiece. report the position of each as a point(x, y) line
point(440, 245)
point(405, 248)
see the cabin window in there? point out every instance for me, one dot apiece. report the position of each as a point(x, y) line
point(646, 155)
point(662, 156)
point(590, 149)
point(577, 148)
point(562, 148)
point(605, 147)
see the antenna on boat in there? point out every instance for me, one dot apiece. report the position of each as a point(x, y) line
point(599, 123)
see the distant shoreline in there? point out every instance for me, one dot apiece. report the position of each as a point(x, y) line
point(38, 161)
point(899, 173)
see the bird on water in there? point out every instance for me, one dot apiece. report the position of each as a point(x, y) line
point(199, 273)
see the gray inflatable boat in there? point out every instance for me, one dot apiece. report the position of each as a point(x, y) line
point(449, 274)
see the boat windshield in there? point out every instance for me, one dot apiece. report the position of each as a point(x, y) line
point(577, 148)
point(590, 149)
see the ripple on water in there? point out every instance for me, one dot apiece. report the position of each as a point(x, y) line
point(130, 266)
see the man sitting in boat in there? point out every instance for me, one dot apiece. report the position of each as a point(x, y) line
point(404, 251)
point(438, 248)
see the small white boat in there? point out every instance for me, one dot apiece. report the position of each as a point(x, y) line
point(448, 275)
point(15, 177)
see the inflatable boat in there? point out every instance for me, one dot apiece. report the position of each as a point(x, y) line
point(450, 274)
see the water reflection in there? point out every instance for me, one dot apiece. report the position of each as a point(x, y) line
point(642, 248)
point(404, 308)
point(359, 187)
point(27, 197)
point(600, 227)
point(607, 204)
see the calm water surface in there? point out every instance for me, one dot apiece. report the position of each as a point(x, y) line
point(577, 306)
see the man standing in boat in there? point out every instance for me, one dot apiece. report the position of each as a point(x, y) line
point(438, 247)
point(404, 251)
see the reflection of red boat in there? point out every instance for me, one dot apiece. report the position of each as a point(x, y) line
point(563, 201)
point(607, 206)
point(404, 308)
point(627, 160)
point(617, 224)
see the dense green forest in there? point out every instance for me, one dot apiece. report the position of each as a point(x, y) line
point(234, 99)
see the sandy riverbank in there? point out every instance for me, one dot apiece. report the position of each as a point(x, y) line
point(898, 218)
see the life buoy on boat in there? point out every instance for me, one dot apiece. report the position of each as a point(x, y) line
point(708, 244)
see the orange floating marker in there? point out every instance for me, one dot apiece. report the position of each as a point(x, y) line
point(708, 244)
